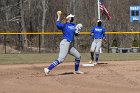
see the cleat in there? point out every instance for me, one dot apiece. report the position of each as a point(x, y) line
point(78, 72)
point(90, 62)
point(95, 63)
point(46, 71)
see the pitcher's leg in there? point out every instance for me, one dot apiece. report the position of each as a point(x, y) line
point(64, 47)
point(53, 64)
point(77, 56)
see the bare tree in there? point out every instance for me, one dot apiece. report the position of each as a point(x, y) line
point(40, 15)
point(45, 8)
point(7, 15)
point(24, 39)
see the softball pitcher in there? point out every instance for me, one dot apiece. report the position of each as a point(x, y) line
point(98, 34)
point(69, 30)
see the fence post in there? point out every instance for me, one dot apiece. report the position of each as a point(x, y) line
point(39, 44)
point(20, 42)
point(108, 44)
point(5, 43)
point(139, 43)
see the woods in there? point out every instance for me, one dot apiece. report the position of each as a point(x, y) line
point(40, 16)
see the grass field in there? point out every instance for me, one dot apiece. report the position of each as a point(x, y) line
point(48, 57)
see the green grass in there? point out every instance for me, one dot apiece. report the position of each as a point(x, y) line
point(49, 57)
point(120, 56)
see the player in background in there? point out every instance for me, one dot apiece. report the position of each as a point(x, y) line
point(69, 30)
point(98, 34)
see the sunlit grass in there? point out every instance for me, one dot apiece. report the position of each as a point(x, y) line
point(49, 57)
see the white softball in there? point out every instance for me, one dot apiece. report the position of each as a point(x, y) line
point(59, 12)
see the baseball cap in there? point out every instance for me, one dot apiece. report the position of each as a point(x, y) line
point(99, 20)
point(69, 16)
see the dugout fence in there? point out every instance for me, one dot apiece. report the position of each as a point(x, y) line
point(48, 42)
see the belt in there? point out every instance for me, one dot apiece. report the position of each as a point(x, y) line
point(67, 40)
point(98, 38)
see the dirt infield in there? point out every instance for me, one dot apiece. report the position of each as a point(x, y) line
point(108, 77)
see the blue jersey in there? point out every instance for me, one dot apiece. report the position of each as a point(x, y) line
point(99, 32)
point(68, 30)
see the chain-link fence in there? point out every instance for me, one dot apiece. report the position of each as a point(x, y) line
point(37, 43)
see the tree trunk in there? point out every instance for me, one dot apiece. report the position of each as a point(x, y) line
point(7, 17)
point(24, 37)
point(45, 6)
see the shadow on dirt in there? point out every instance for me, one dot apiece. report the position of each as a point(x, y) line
point(102, 63)
point(67, 73)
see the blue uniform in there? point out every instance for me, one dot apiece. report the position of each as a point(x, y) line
point(68, 30)
point(99, 32)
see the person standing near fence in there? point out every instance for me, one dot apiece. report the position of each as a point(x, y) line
point(98, 34)
point(69, 30)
